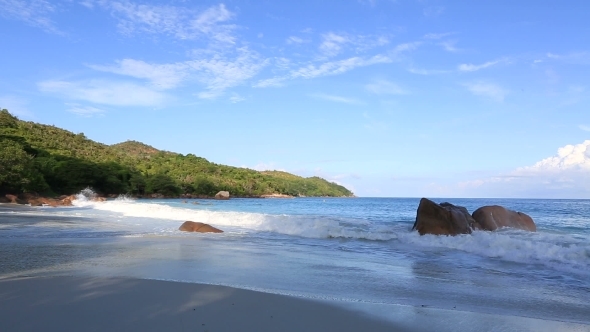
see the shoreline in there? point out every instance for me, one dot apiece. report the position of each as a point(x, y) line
point(424, 314)
point(66, 200)
point(126, 304)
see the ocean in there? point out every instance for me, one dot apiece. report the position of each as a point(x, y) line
point(354, 250)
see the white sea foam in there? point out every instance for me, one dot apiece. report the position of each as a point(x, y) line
point(558, 250)
point(304, 226)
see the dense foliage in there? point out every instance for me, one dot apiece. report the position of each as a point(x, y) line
point(49, 160)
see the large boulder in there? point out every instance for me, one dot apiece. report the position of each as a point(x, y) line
point(199, 227)
point(494, 216)
point(222, 195)
point(443, 219)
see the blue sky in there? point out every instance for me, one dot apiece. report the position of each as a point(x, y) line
point(389, 98)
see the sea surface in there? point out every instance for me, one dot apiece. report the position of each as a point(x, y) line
point(359, 250)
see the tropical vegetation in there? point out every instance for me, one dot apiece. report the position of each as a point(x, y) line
point(43, 159)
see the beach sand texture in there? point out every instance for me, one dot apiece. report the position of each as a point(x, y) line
point(124, 304)
point(119, 304)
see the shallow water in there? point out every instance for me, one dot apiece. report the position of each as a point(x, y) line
point(351, 249)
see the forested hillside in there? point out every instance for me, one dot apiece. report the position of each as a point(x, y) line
point(49, 160)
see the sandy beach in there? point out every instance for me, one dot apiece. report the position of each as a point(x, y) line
point(125, 304)
point(118, 304)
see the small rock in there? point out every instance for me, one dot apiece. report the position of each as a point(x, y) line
point(199, 227)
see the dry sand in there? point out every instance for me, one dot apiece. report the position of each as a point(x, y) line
point(124, 304)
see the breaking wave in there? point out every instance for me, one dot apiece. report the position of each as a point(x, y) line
point(559, 250)
point(304, 226)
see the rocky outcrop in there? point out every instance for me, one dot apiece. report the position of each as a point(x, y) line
point(11, 198)
point(35, 200)
point(222, 195)
point(449, 219)
point(494, 216)
point(443, 219)
point(67, 201)
point(199, 227)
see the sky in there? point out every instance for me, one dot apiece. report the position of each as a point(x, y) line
point(406, 98)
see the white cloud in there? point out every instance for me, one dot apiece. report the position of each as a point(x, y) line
point(332, 43)
point(564, 175)
point(182, 23)
point(33, 12)
point(337, 67)
point(567, 157)
point(385, 87)
point(579, 58)
point(405, 47)
point(85, 111)
point(163, 76)
point(235, 98)
point(270, 82)
point(472, 67)
point(584, 127)
point(220, 72)
point(328, 68)
point(338, 99)
point(449, 46)
point(489, 90)
point(217, 71)
point(104, 92)
point(296, 40)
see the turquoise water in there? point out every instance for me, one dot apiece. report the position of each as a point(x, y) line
point(350, 249)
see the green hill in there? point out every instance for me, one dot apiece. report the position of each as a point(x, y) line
point(49, 160)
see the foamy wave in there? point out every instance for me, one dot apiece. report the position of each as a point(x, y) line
point(304, 226)
point(555, 250)
point(86, 195)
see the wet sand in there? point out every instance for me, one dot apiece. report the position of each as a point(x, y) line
point(125, 304)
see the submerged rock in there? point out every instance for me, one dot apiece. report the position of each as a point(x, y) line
point(443, 219)
point(495, 216)
point(222, 195)
point(199, 227)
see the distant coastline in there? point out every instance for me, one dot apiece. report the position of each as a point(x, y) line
point(46, 161)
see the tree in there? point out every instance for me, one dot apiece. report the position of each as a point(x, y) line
point(162, 184)
point(17, 171)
